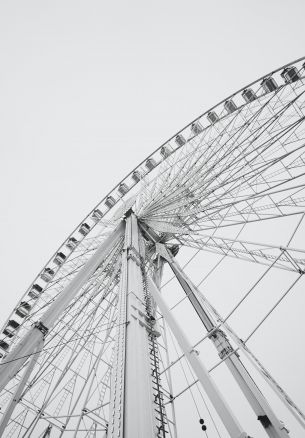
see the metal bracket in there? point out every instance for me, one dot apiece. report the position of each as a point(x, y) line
point(133, 254)
point(41, 327)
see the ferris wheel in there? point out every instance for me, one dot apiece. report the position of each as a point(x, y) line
point(147, 321)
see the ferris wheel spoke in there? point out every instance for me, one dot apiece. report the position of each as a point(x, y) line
point(81, 336)
point(247, 180)
point(60, 398)
point(242, 202)
point(254, 207)
point(286, 258)
point(257, 172)
point(186, 164)
point(238, 147)
point(285, 201)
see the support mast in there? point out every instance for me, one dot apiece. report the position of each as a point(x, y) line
point(134, 409)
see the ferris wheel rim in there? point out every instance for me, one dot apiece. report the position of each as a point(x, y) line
point(148, 171)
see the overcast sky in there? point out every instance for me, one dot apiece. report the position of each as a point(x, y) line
point(89, 88)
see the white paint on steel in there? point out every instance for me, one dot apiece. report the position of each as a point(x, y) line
point(222, 408)
point(34, 337)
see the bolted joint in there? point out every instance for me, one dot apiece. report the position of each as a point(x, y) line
point(134, 255)
point(221, 342)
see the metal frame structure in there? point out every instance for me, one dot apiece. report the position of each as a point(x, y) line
point(85, 352)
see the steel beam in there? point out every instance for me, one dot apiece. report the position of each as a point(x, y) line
point(35, 336)
point(222, 408)
point(272, 425)
point(131, 406)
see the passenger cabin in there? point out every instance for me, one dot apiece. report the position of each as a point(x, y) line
point(212, 117)
point(136, 176)
point(47, 274)
point(150, 164)
point(84, 229)
point(290, 74)
point(196, 128)
point(4, 347)
point(269, 85)
point(97, 215)
point(165, 152)
point(72, 243)
point(59, 258)
point(110, 201)
point(35, 291)
point(10, 329)
point(23, 309)
point(123, 188)
point(180, 140)
point(230, 106)
point(248, 95)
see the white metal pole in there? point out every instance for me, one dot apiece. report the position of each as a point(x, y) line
point(222, 408)
point(16, 358)
point(131, 407)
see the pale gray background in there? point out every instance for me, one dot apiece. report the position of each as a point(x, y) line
point(89, 88)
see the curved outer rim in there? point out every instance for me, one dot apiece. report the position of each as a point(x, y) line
point(114, 190)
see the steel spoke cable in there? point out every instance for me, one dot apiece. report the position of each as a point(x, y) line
point(276, 161)
point(262, 191)
point(273, 308)
point(192, 258)
point(220, 146)
point(59, 345)
point(72, 339)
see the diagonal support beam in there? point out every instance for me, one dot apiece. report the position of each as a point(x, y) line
point(228, 418)
point(273, 427)
point(35, 336)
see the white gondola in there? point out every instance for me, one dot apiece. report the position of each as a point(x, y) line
point(150, 163)
point(212, 117)
point(110, 201)
point(10, 329)
point(269, 84)
point(97, 215)
point(230, 106)
point(290, 74)
point(165, 151)
point(23, 309)
point(3, 348)
point(35, 291)
point(123, 188)
point(180, 140)
point(196, 128)
point(136, 176)
point(84, 229)
point(71, 243)
point(248, 95)
point(47, 274)
point(59, 258)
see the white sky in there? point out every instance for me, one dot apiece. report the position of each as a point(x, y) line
point(89, 88)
